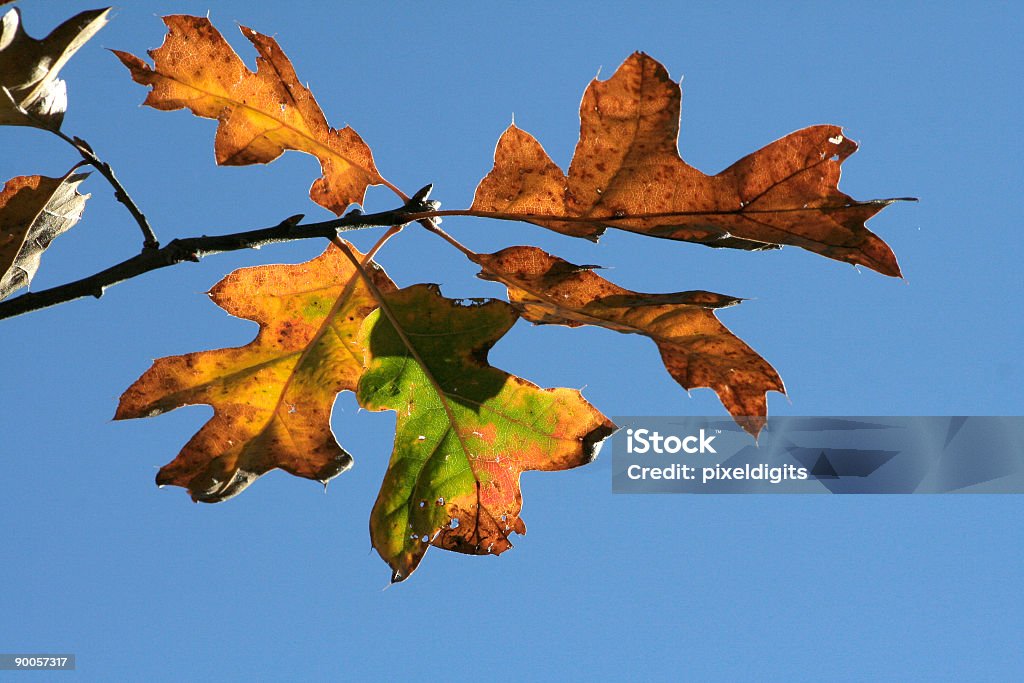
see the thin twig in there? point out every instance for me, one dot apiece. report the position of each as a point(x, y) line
point(150, 241)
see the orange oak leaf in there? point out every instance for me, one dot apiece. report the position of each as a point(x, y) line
point(260, 114)
point(626, 173)
point(272, 398)
point(697, 349)
point(465, 430)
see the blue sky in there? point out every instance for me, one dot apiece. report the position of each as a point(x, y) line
point(281, 582)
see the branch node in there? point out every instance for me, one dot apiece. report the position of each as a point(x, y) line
point(422, 194)
point(292, 222)
point(419, 203)
point(83, 144)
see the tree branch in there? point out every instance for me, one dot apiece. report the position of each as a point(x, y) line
point(195, 248)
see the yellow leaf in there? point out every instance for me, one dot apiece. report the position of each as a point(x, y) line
point(272, 398)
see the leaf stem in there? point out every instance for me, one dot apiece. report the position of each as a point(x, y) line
point(437, 230)
point(150, 240)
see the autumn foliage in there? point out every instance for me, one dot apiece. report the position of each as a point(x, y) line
point(465, 430)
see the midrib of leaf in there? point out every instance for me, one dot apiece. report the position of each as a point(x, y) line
point(442, 396)
point(559, 307)
point(738, 212)
point(327, 324)
point(544, 298)
point(305, 134)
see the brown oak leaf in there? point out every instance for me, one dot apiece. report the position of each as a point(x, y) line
point(697, 349)
point(626, 173)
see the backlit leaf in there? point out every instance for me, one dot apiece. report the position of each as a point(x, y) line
point(697, 349)
point(260, 114)
point(465, 430)
point(33, 211)
point(272, 398)
point(30, 92)
point(626, 173)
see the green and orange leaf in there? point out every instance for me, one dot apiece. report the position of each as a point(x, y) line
point(626, 173)
point(697, 349)
point(272, 398)
point(260, 114)
point(465, 431)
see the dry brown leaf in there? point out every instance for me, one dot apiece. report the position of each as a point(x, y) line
point(697, 349)
point(33, 211)
point(30, 92)
point(626, 173)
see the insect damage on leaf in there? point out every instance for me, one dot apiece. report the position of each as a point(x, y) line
point(626, 173)
point(260, 114)
point(30, 92)
point(697, 349)
point(465, 430)
point(33, 211)
point(272, 398)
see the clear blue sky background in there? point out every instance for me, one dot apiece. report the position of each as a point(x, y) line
point(281, 582)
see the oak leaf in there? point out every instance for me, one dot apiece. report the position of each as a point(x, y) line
point(30, 92)
point(260, 114)
point(626, 173)
point(697, 349)
point(465, 431)
point(272, 398)
point(33, 211)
